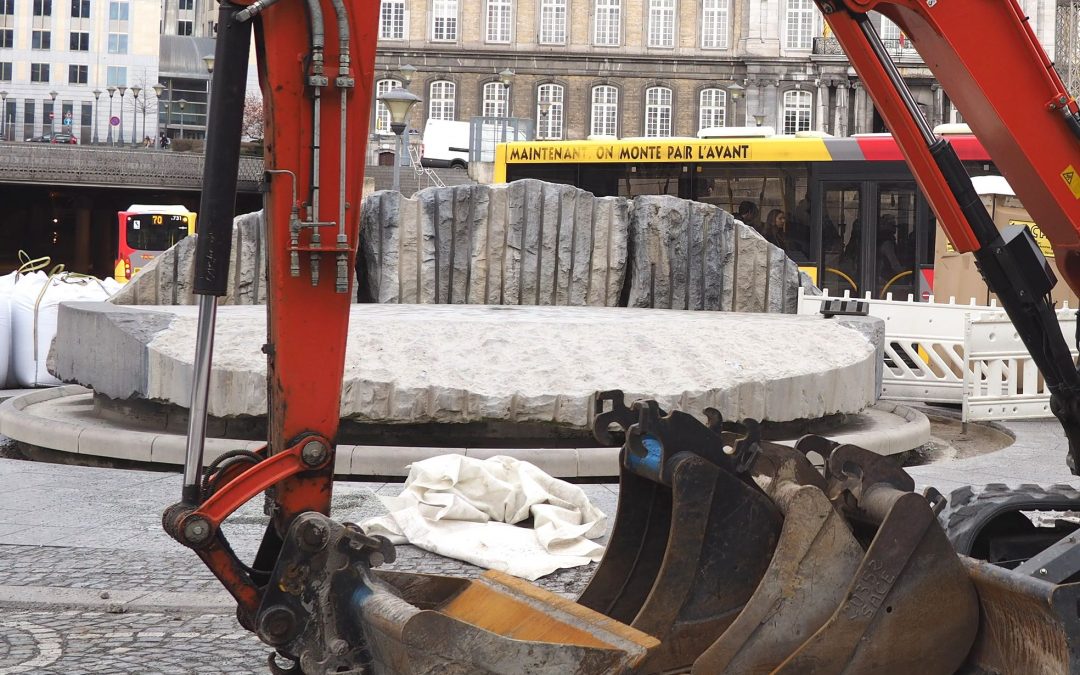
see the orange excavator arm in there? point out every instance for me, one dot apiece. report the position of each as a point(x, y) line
point(989, 62)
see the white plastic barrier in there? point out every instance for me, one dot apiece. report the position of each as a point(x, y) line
point(8, 285)
point(1001, 380)
point(924, 345)
point(34, 308)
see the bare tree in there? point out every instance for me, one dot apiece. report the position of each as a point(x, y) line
point(253, 116)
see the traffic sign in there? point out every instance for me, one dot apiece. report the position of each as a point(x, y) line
point(114, 120)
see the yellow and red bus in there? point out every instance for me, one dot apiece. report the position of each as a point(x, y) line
point(147, 230)
point(813, 195)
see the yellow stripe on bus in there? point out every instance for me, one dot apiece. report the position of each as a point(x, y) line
point(648, 150)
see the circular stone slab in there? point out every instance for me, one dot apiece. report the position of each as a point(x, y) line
point(467, 363)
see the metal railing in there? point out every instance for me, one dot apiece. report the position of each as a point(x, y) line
point(902, 49)
point(42, 163)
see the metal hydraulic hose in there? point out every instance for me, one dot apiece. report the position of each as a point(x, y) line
point(316, 80)
point(344, 83)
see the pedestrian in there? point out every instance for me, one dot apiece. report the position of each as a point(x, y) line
point(147, 143)
point(163, 140)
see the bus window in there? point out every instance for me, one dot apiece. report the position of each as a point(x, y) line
point(155, 231)
point(841, 238)
point(651, 179)
point(896, 253)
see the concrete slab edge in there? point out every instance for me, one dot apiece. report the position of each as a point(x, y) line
point(118, 602)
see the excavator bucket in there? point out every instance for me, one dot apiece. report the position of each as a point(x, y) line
point(909, 574)
point(815, 561)
point(693, 533)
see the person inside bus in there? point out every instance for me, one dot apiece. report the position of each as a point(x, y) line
point(749, 214)
point(888, 263)
point(777, 231)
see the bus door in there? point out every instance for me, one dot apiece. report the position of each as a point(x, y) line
point(901, 218)
point(839, 207)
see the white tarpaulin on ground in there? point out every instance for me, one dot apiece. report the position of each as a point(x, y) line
point(466, 508)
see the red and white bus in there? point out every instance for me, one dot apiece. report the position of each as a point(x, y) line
point(147, 230)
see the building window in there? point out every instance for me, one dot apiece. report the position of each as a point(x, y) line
point(39, 72)
point(42, 7)
point(184, 27)
point(797, 111)
point(800, 24)
point(712, 107)
point(608, 23)
point(498, 21)
point(714, 24)
point(382, 113)
point(657, 111)
point(495, 95)
point(79, 42)
point(186, 4)
point(549, 111)
point(40, 39)
point(118, 11)
point(444, 20)
point(116, 76)
point(661, 23)
point(7, 7)
point(889, 30)
point(77, 74)
point(605, 111)
point(552, 22)
point(392, 20)
point(5, 71)
point(7, 38)
point(80, 9)
point(441, 100)
point(118, 43)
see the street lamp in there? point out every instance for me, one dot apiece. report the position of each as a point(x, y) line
point(759, 119)
point(52, 122)
point(182, 103)
point(209, 61)
point(735, 92)
point(506, 76)
point(545, 128)
point(94, 134)
point(111, 90)
point(135, 116)
point(4, 132)
point(121, 90)
point(158, 88)
point(407, 73)
point(398, 102)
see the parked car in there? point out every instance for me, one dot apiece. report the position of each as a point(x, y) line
point(44, 138)
point(64, 138)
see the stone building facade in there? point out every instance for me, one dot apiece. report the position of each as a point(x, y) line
point(640, 67)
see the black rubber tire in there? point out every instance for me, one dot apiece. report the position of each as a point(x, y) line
point(970, 510)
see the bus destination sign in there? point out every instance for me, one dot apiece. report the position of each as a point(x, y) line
point(666, 151)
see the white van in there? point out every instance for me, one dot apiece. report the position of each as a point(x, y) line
point(446, 144)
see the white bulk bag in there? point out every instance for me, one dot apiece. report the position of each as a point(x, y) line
point(7, 289)
point(33, 317)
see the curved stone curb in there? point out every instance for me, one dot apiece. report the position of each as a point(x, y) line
point(62, 419)
point(115, 602)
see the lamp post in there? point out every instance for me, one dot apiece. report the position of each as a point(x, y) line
point(52, 122)
point(158, 88)
point(209, 61)
point(3, 116)
point(135, 116)
point(111, 90)
point(94, 134)
point(543, 128)
point(759, 119)
point(182, 103)
point(506, 76)
point(121, 90)
point(735, 92)
point(407, 73)
point(398, 102)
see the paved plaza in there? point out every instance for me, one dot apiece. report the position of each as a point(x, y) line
point(89, 582)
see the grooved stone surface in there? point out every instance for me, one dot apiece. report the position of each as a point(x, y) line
point(440, 363)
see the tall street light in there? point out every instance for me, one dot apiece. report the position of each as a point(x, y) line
point(94, 134)
point(158, 88)
point(52, 122)
point(407, 72)
point(183, 104)
point(209, 61)
point(111, 90)
point(4, 131)
point(398, 102)
point(735, 92)
point(121, 90)
point(135, 116)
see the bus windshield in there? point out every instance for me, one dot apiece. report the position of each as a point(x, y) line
point(155, 231)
